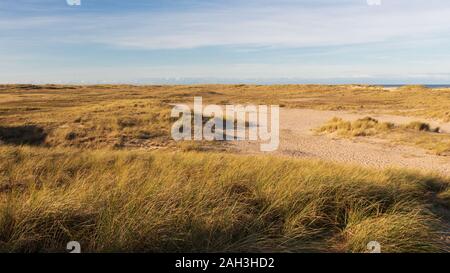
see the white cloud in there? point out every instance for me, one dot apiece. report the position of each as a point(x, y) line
point(289, 25)
point(392, 27)
point(295, 27)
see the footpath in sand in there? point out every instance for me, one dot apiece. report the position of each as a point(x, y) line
point(298, 140)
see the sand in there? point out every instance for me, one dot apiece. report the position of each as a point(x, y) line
point(298, 140)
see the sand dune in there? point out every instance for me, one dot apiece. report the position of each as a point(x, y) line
point(298, 140)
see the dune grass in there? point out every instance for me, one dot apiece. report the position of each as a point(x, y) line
point(100, 116)
point(137, 201)
point(362, 127)
point(88, 180)
point(124, 116)
point(415, 133)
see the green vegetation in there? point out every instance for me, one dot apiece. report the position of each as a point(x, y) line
point(169, 202)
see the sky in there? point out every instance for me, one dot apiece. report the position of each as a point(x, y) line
point(225, 41)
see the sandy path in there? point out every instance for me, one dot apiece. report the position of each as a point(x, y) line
point(297, 139)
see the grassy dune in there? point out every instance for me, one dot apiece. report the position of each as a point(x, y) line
point(160, 202)
point(119, 116)
point(415, 133)
point(72, 167)
point(361, 127)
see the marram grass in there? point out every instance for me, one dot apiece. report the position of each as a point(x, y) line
point(415, 133)
point(137, 201)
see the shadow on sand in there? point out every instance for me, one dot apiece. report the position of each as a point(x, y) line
point(22, 135)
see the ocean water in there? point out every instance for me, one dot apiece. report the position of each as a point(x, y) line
point(427, 85)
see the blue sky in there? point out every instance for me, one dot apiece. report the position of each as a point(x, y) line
point(262, 41)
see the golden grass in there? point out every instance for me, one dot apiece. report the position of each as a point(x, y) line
point(204, 202)
point(361, 127)
point(87, 181)
point(138, 116)
point(91, 116)
point(415, 133)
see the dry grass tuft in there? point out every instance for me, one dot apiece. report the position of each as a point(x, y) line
point(421, 126)
point(362, 127)
point(415, 133)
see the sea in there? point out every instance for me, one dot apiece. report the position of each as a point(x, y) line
point(426, 85)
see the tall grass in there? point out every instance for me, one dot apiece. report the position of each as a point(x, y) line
point(202, 202)
point(74, 187)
